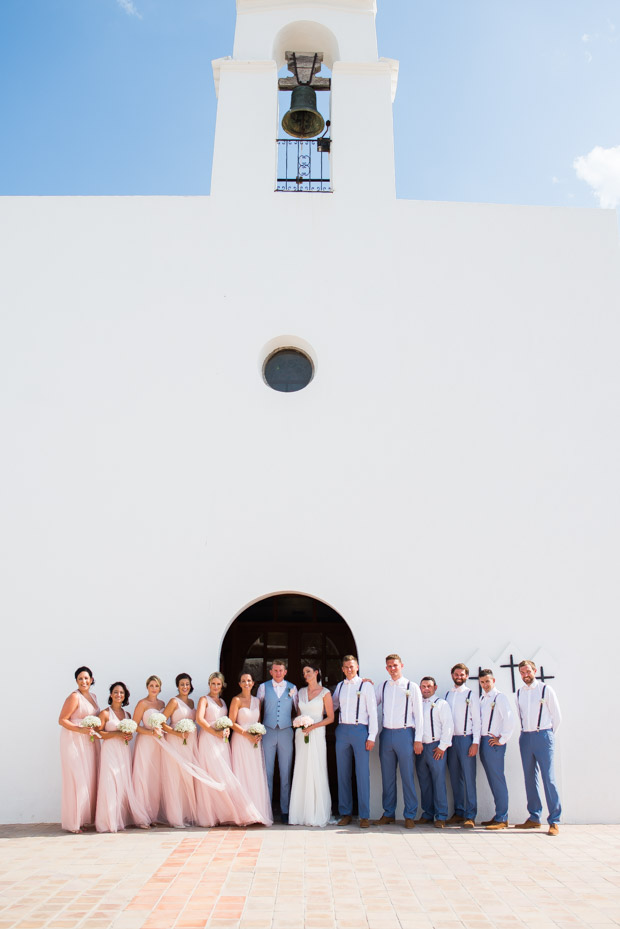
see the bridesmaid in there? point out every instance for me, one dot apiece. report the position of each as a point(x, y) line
point(78, 755)
point(247, 753)
point(116, 803)
point(147, 759)
point(178, 785)
point(231, 806)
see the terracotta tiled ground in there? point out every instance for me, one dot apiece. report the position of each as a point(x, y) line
point(290, 878)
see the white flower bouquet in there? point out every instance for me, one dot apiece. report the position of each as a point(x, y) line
point(223, 723)
point(127, 727)
point(256, 729)
point(156, 721)
point(91, 722)
point(185, 726)
point(301, 722)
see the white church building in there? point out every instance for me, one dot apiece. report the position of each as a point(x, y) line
point(300, 417)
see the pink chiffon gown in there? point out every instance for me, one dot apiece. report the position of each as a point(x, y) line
point(178, 791)
point(233, 805)
point(79, 758)
point(146, 776)
point(249, 764)
point(117, 805)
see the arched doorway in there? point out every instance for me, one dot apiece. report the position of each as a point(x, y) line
point(296, 628)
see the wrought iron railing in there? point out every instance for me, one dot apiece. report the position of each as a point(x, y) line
point(303, 165)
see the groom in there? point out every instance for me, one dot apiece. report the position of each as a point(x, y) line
point(278, 699)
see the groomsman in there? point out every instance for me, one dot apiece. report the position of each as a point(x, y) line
point(278, 700)
point(401, 735)
point(431, 764)
point(539, 714)
point(356, 733)
point(465, 707)
point(496, 727)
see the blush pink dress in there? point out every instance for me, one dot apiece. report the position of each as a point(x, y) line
point(146, 776)
point(233, 805)
point(79, 759)
point(249, 764)
point(178, 792)
point(117, 805)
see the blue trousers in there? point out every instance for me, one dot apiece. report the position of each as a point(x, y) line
point(462, 770)
point(279, 742)
point(537, 754)
point(350, 743)
point(492, 758)
point(432, 779)
point(396, 748)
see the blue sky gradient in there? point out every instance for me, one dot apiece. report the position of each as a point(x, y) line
point(496, 98)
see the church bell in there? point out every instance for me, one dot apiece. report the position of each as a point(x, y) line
point(303, 120)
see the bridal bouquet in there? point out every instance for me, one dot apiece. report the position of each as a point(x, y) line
point(223, 723)
point(156, 721)
point(256, 729)
point(91, 722)
point(127, 727)
point(185, 726)
point(300, 722)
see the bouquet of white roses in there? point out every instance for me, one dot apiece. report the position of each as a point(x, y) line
point(301, 722)
point(91, 722)
point(156, 721)
point(256, 729)
point(127, 727)
point(185, 726)
point(223, 723)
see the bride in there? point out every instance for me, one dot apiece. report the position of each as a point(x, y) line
point(310, 803)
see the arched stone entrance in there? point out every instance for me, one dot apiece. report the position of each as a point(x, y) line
point(297, 628)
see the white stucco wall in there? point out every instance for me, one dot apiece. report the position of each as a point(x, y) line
point(450, 473)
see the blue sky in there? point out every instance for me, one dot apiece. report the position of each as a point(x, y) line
point(508, 101)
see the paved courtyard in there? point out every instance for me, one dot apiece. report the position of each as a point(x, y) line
point(291, 878)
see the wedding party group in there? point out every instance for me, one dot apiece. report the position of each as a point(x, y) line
point(211, 764)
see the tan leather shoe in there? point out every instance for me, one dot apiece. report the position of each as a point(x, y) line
point(455, 820)
point(344, 820)
point(468, 824)
point(495, 825)
point(384, 821)
point(554, 829)
point(422, 821)
point(487, 822)
point(528, 824)
point(364, 824)
point(409, 823)
point(439, 824)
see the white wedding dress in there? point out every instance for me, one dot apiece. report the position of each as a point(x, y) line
point(310, 802)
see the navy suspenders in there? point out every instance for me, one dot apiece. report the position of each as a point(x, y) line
point(359, 694)
point(385, 683)
point(491, 717)
point(542, 703)
point(466, 710)
point(432, 723)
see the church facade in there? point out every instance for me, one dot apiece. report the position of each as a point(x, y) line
point(302, 416)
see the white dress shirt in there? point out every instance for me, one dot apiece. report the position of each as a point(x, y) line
point(438, 722)
point(529, 698)
point(392, 698)
point(503, 721)
point(362, 708)
point(279, 689)
point(465, 704)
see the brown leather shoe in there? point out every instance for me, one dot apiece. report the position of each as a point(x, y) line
point(384, 821)
point(422, 821)
point(344, 821)
point(409, 823)
point(455, 820)
point(528, 824)
point(495, 825)
point(439, 824)
point(468, 824)
point(487, 822)
point(554, 829)
point(364, 824)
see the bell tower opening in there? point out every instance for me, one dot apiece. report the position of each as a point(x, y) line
point(304, 142)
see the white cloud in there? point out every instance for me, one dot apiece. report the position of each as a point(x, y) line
point(600, 169)
point(586, 38)
point(129, 8)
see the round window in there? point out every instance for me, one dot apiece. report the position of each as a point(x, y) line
point(288, 369)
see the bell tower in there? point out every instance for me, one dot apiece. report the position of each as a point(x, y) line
point(336, 35)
